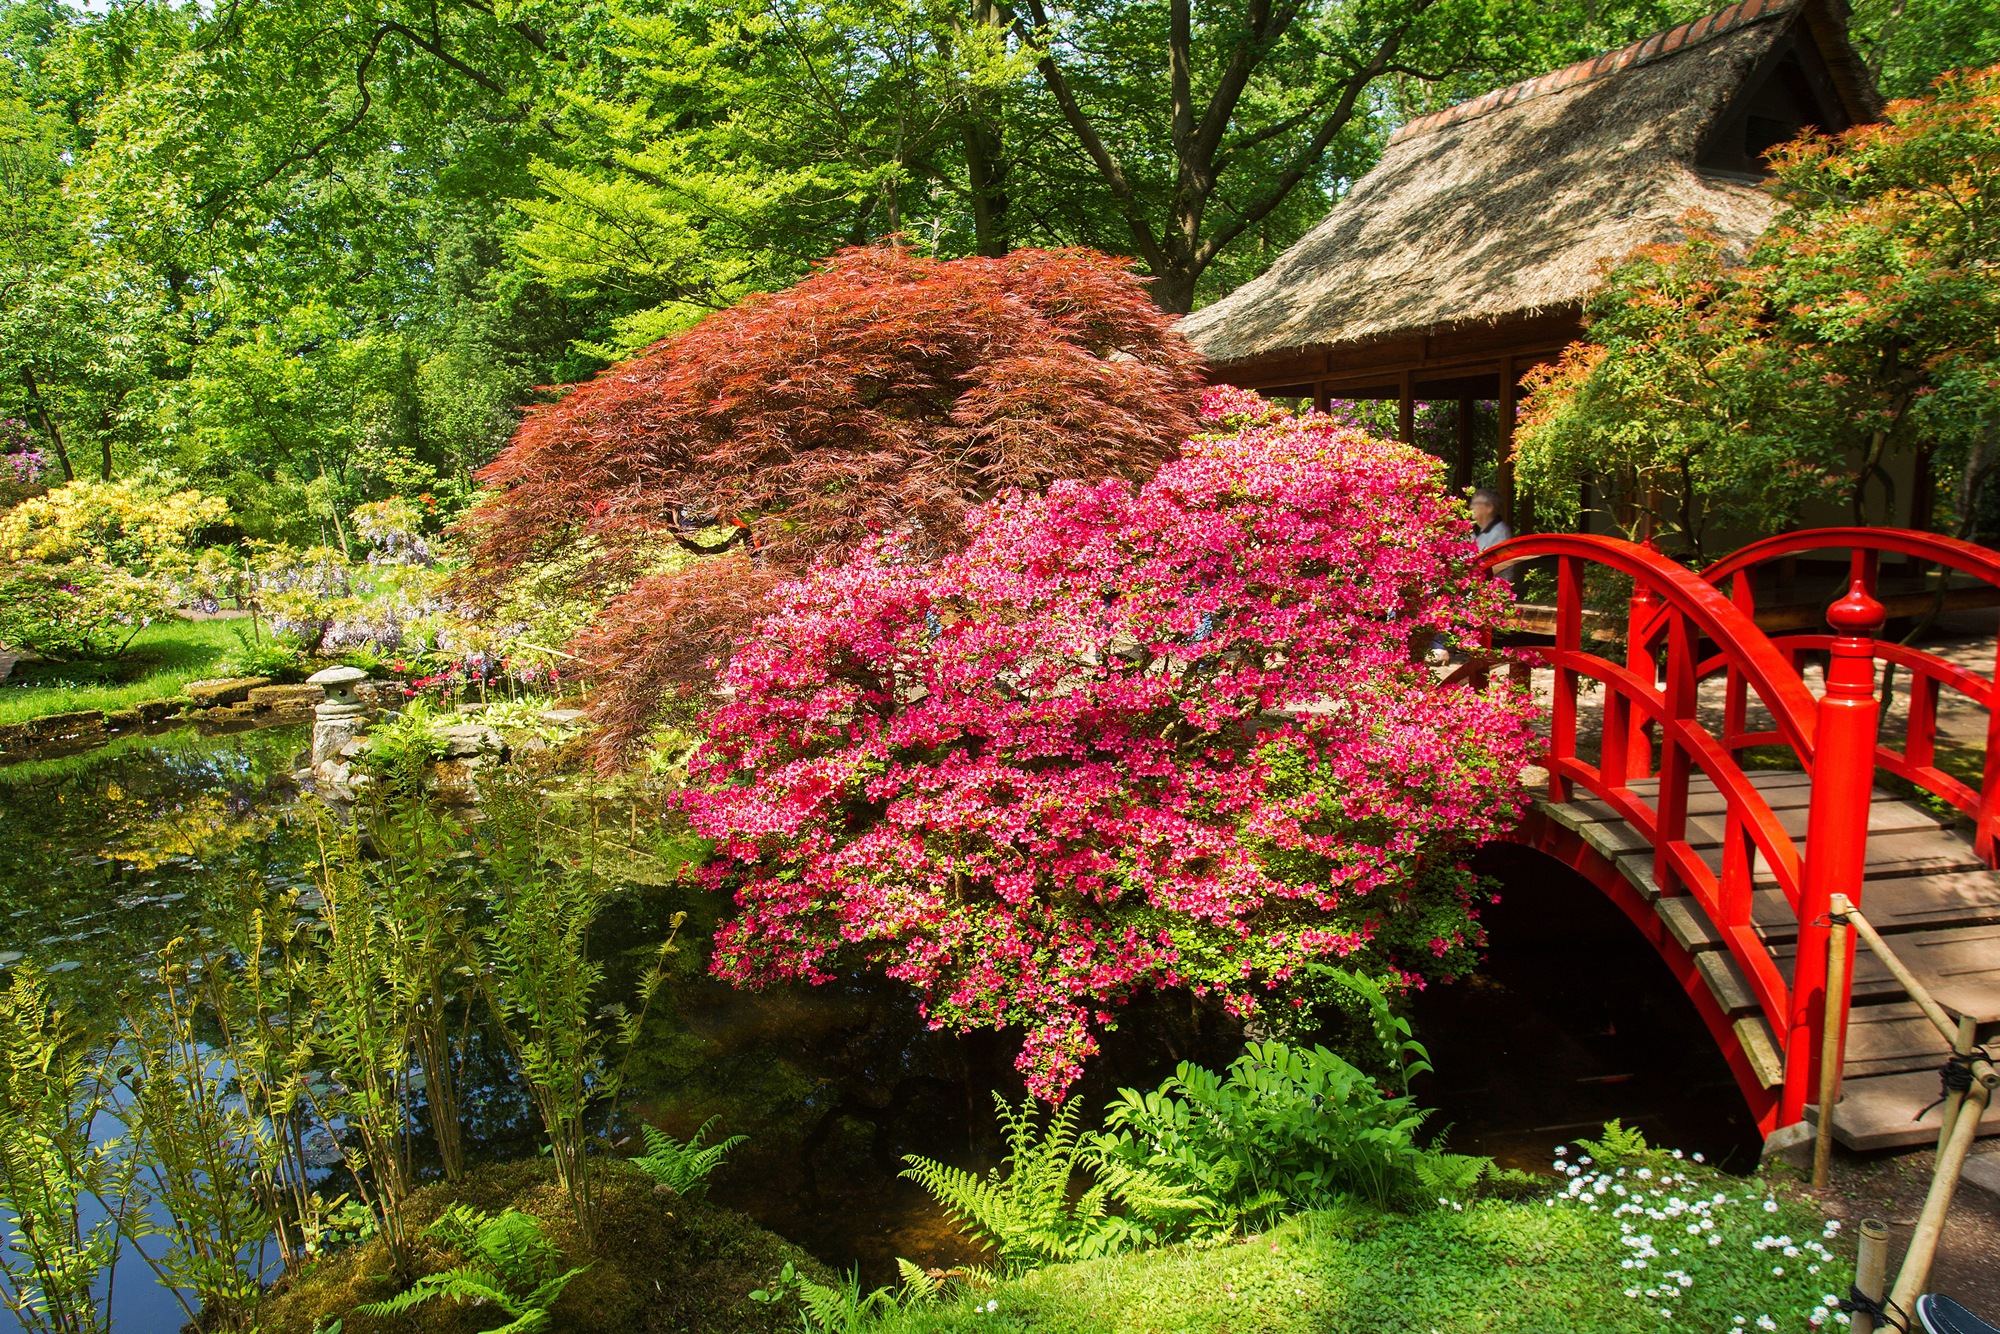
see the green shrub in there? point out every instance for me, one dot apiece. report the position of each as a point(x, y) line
point(81, 609)
point(1286, 1128)
point(275, 656)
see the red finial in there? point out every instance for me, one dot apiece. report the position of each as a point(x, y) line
point(1858, 613)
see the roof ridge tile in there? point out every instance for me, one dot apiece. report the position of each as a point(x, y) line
point(1646, 49)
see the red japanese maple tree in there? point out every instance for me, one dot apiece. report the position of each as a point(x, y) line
point(888, 393)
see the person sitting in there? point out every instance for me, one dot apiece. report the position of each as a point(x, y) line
point(1488, 528)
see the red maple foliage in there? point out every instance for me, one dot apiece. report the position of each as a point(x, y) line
point(888, 393)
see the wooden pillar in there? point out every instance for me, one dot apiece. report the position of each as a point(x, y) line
point(1322, 397)
point(1461, 470)
point(1506, 474)
point(1406, 410)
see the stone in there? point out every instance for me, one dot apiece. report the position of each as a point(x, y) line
point(331, 734)
point(337, 678)
point(563, 717)
point(340, 685)
point(159, 710)
point(66, 724)
point(1792, 1143)
point(228, 690)
point(464, 740)
point(122, 719)
point(286, 699)
point(353, 748)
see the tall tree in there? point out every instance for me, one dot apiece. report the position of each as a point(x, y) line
point(1866, 324)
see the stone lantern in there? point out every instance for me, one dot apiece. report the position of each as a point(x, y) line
point(341, 716)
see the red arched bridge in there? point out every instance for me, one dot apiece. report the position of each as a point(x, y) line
point(1697, 777)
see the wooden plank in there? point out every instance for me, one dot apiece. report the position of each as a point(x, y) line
point(1898, 904)
point(1688, 924)
point(1877, 1112)
point(1726, 982)
point(1760, 1048)
point(1637, 868)
point(1891, 1039)
point(1767, 780)
point(1885, 816)
point(1918, 852)
point(1960, 968)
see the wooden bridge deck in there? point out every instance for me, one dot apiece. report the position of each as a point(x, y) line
point(1925, 890)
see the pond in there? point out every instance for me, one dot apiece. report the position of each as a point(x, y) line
point(107, 854)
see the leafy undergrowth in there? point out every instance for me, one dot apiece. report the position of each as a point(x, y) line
point(163, 657)
point(664, 1263)
point(1618, 1251)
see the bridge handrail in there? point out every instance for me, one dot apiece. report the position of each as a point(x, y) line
point(1959, 555)
point(1721, 621)
point(1916, 761)
point(1655, 696)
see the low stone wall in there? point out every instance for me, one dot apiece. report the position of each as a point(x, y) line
point(235, 700)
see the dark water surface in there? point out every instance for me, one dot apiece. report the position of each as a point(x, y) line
point(107, 854)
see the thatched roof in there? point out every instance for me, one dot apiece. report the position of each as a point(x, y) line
point(1511, 205)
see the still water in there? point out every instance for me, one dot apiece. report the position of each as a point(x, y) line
point(107, 854)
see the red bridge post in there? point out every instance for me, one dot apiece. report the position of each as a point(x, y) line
point(1836, 851)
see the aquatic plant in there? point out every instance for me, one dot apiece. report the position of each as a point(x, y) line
point(364, 1039)
point(1179, 735)
point(542, 986)
point(212, 1131)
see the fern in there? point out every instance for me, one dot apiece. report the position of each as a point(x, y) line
point(683, 1166)
point(1450, 1175)
point(1024, 1207)
point(846, 1309)
point(510, 1264)
point(1618, 1145)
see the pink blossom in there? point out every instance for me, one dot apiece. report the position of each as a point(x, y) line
point(1177, 735)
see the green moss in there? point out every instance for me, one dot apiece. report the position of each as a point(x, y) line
point(1523, 1267)
point(662, 1265)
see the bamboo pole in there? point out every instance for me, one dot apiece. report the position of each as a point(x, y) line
point(1961, 1048)
point(1917, 1260)
point(1944, 1023)
point(1830, 1038)
point(1871, 1270)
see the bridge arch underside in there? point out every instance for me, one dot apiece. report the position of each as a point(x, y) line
point(1746, 1044)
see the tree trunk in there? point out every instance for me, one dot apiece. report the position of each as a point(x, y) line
point(986, 165)
point(48, 424)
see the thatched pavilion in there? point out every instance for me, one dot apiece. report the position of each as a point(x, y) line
point(1464, 258)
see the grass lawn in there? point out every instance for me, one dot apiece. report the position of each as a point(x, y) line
point(1574, 1265)
point(165, 656)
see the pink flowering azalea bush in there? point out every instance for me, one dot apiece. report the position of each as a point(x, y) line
point(1177, 735)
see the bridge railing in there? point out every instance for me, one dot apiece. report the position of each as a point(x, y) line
point(1927, 675)
point(1682, 629)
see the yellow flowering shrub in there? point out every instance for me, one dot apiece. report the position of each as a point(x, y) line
point(136, 525)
